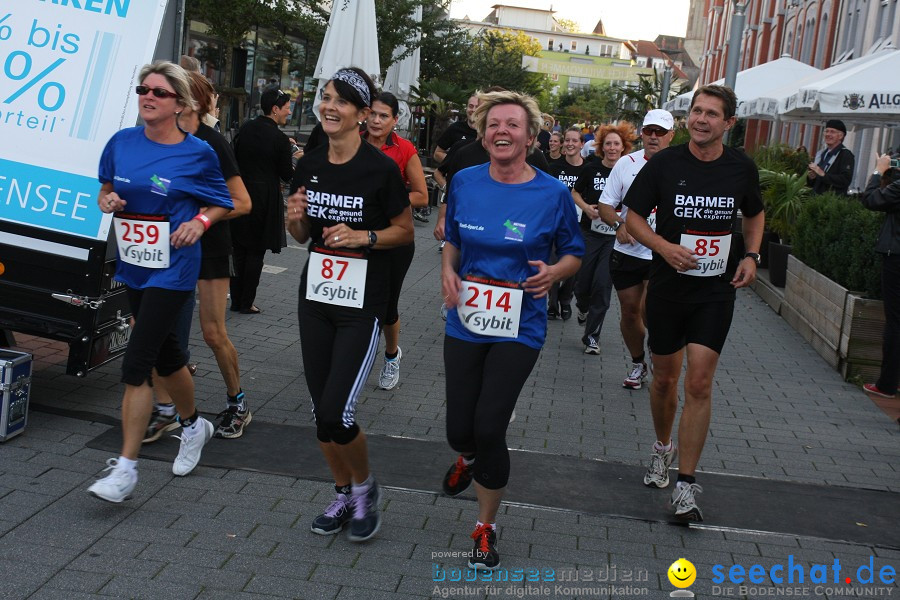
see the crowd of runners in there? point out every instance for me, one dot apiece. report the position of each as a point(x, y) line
point(524, 231)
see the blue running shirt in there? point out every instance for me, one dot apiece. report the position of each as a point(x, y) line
point(163, 179)
point(498, 228)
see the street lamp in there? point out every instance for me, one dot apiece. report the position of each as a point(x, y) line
point(734, 48)
point(734, 43)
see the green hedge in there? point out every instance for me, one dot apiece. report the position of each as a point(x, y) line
point(781, 159)
point(836, 237)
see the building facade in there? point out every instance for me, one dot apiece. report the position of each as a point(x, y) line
point(570, 60)
point(820, 33)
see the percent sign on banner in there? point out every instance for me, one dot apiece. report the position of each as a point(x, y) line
point(21, 70)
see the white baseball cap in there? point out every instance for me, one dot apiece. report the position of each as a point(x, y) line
point(659, 117)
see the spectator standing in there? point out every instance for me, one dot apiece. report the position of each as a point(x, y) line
point(886, 198)
point(264, 157)
point(832, 169)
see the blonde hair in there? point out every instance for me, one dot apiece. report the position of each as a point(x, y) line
point(491, 99)
point(177, 78)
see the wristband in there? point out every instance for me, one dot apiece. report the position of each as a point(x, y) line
point(203, 219)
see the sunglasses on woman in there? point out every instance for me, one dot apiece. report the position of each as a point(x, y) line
point(143, 90)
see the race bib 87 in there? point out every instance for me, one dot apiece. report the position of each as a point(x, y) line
point(710, 248)
point(336, 277)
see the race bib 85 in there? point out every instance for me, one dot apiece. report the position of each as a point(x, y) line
point(711, 249)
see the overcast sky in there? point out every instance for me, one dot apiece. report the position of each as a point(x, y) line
point(628, 19)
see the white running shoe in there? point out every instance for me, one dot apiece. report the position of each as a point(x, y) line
point(591, 346)
point(636, 377)
point(117, 486)
point(191, 447)
point(660, 461)
point(685, 503)
point(390, 372)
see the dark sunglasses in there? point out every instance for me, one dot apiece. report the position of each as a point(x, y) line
point(143, 90)
point(657, 131)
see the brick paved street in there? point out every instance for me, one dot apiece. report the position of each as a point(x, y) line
point(779, 413)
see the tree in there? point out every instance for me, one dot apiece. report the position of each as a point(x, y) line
point(589, 104)
point(569, 25)
point(637, 101)
point(232, 20)
point(397, 27)
point(495, 58)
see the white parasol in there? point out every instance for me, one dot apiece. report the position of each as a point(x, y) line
point(752, 83)
point(864, 91)
point(403, 75)
point(351, 40)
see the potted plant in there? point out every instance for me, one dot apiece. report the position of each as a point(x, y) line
point(783, 196)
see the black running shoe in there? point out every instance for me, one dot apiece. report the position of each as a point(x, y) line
point(366, 514)
point(335, 516)
point(484, 554)
point(566, 312)
point(232, 423)
point(458, 477)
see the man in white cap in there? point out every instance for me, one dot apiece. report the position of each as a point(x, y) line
point(630, 260)
point(697, 189)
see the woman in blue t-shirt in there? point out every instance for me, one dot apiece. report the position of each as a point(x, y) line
point(165, 188)
point(503, 218)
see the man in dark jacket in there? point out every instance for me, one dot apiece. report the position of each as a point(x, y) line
point(264, 156)
point(887, 200)
point(832, 168)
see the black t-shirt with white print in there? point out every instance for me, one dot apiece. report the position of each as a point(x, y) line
point(565, 172)
point(590, 185)
point(697, 204)
point(365, 193)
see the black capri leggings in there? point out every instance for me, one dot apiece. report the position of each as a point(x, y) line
point(339, 347)
point(401, 258)
point(153, 341)
point(483, 385)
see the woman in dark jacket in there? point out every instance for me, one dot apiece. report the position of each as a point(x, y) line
point(264, 156)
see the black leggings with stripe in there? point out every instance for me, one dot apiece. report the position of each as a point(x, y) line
point(339, 347)
point(483, 385)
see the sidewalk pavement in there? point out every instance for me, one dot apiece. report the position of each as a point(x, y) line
point(779, 413)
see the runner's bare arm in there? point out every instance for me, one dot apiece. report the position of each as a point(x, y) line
point(450, 280)
point(589, 209)
point(678, 257)
point(753, 232)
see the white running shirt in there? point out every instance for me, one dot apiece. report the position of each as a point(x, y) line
point(617, 185)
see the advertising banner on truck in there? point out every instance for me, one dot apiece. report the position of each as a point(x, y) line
point(68, 69)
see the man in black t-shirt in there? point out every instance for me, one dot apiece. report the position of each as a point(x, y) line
point(460, 130)
point(697, 189)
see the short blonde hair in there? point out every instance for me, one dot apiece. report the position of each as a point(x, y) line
point(177, 78)
point(491, 99)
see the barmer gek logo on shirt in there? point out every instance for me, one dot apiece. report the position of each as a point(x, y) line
point(335, 207)
point(159, 185)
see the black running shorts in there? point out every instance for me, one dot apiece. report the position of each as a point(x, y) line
point(216, 267)
point(628, 271)
point(673, 325)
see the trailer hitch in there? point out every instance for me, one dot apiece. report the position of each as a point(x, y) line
point(82, 301)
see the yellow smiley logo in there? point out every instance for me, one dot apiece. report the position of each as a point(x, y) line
point(682, 573)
